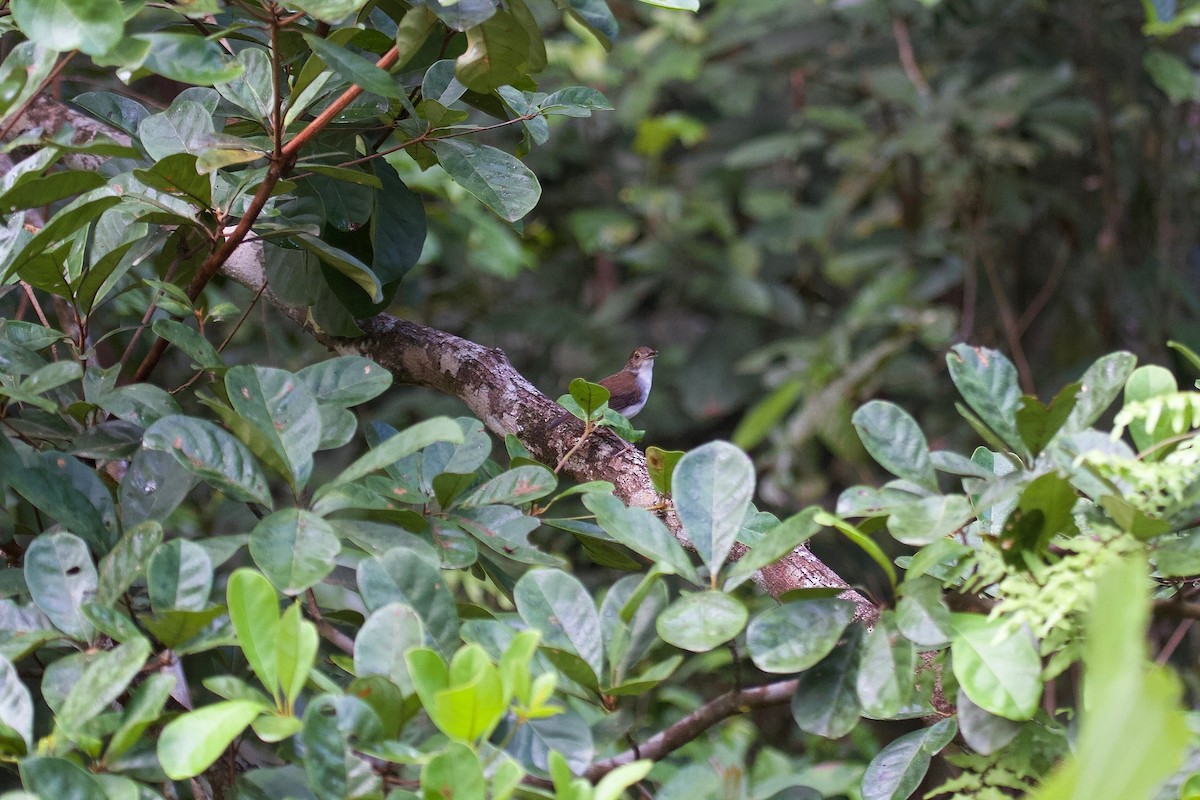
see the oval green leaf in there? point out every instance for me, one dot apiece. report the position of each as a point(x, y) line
point(701, 621)
point(796, 636)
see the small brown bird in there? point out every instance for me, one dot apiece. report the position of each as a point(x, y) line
point(629, 388)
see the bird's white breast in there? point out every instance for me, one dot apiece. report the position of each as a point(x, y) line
point(645, 375)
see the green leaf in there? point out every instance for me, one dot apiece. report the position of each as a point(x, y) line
point(1044, 510)
point(826, 699)
point(885, 670)
point(179, 577)
point(712, 486)
point(1099, 387)
point(388, 452)
point(922, 614)
point(280, 406)
point(920, 522)
point(254, 611)
point(596, 17)
point(463, 14)
point(188, 58)
point(454, 772)
point(46, 776)
point(988, 382)
point(355, 69)
point(91, 26)
point(400, 576)
point(996, 666)
point(105, 678)
point(864, 542)
point(386, 635)
point(701, 621)
point(51, 188)
point(343, 262)
point(642, 532)
point(985, 733)
point(660, 464)
point(591, 397)
point(185, 127)
point(329, 10)
point(203, 354)
point(677, 5)
point(61, 578)
point(515, 487)
point(398, 226)
point(497, 54)
point(559, 607)
point(212, 454)
point(627, 619)
point(127, 560)
point(1038, 424)
point(251, 91)
point(295, 653)
point(500, 181)
point(176, 174)
point(16, 704)
point(294, 548)
point(898, 769)
point(1146, 383)
point(896, 442)
point(334, 727)
point(190, 744)
point(776, 543)
point(795, 636)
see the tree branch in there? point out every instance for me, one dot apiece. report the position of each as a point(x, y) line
point(685, 730)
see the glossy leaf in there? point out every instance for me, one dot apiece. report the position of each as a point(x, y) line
point(91, 26)
point(188, 58)
point(399, 577)
point(254, 611)
point(896, 442)
point(515, 487)
point(16, 704)
point(295, 653)
point(826, 699)
point(558, 606)
point(294, 548)
point(345, 381)
point(500, 181)
point(796, 636)
point(776, 543)
point(642, 532)
point(382, 641)
point(1099, 387)
point(105, 678)
point(283, 410)
point(190, 744)
point(997, 667)
point(920, 522)
point(701, 621)
point(212, 454)
point(712, 486)
point(885, 670)
point(988, 382)
point(497, 54)
point(423, 434)
point(61, 578)
point(922, 614)
point(898, 769)
point(179, 576)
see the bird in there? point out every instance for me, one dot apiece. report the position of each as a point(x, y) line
point(628, 389)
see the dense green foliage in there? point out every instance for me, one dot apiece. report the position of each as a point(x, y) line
point(225, 576)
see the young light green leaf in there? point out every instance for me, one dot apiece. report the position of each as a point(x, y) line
point(254, 611)
point(190, 744)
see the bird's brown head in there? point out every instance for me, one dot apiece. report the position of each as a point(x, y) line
point(640, 357)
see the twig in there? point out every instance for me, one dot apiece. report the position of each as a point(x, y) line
point(1008, 319)
point(1172, 643)
point(329, 633)
point(588, 430)
point(279, 168)
point(907, 60)
point(685, 730)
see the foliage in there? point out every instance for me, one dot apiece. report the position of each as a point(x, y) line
point(218, 589)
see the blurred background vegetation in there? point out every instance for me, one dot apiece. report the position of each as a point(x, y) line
point(803, 204)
